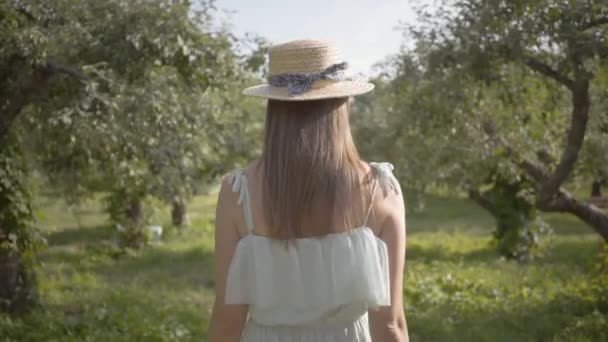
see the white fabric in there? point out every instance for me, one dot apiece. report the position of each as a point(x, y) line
point(355, 330)
point(384, 176)
point(240, 185)
point(300, 283)
point(310, 289)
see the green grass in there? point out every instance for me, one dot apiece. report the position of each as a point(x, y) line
point(457, 287)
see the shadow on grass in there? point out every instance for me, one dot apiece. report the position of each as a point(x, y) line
point(161, 267)
point(154, 268)
point(78, 235)
point(566, 224)
point(69, 256)
point(91, 249)
point(439, 253)
point(580, 251)
point(447, 214)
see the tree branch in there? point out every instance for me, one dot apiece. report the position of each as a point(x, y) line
point(533, 170)
point(29, 87)
point(588, 213)
point(54, 68)
point(574, 141)
point(561, 200)
point(537, 172)
point(544, 69)
point(482, 201)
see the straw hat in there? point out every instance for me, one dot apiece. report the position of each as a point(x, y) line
point(302, 70)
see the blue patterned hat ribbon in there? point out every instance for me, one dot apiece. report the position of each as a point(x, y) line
point(298, 84)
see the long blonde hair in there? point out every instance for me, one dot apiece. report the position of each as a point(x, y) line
point(311, 169)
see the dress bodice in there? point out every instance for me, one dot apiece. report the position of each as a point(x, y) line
point(309, 281)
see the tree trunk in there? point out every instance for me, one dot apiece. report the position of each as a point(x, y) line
point(581, 102)
point(136, 237)
point(563, 202)
point(482, 201)
point(17, 287)
point(597, 196)
point(596, 189)
point(179, 213)
point(9, 268)
point(550, 196)
point(135, 213)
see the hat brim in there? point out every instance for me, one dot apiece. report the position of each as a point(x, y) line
point(334, 90)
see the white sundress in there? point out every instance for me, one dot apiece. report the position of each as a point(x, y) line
point(316, 289)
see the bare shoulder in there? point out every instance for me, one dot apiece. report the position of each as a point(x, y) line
point(229, 204)
point(388, 189)
point(389, 205)
point(229, 194)
point(253, 166)
point(248, 172)
point(226, 197)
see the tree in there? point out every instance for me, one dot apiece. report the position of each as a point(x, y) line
point(118, 96)
point(560, 47)
point(431, 124)
point(147, 119)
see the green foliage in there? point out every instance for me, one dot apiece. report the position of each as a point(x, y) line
point(600, 280)
point(589, 328)
point(122, 315)
point(145, 117)
point(475, 36)
point(141, 97)
point(517, 60)
point(19, 240)
point(488, 85)
point(15, 210)
point(592, 326)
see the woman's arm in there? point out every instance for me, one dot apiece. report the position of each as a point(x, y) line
point(227, 321)
point(388, 324)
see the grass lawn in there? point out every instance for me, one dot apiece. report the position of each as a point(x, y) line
point(457, 288)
